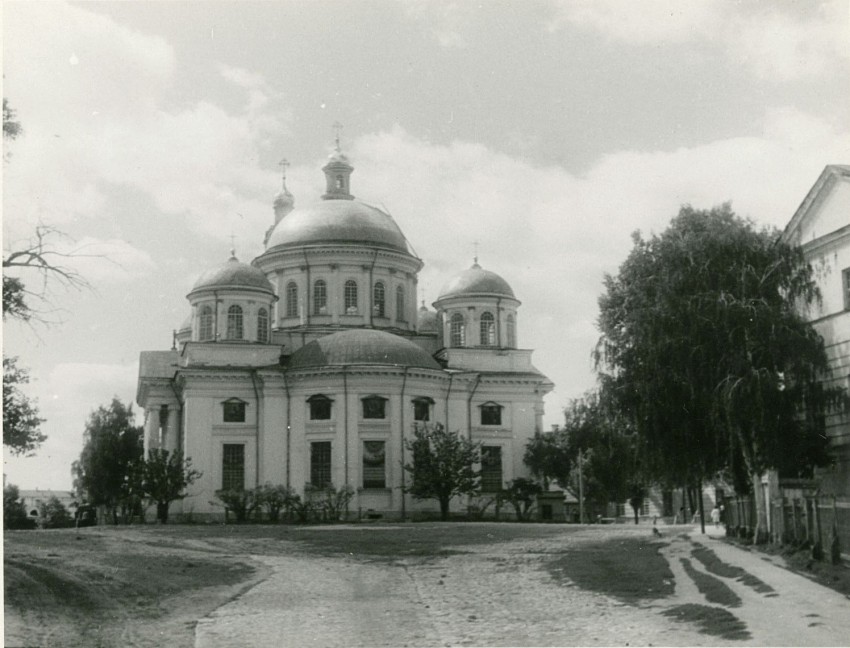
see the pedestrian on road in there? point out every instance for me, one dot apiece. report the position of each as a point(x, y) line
point(715, 516)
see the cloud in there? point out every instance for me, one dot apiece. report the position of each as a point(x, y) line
point(66, 398)
point(776, 42)
point(445, 20)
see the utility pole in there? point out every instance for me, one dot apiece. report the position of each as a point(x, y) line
point(580, 490)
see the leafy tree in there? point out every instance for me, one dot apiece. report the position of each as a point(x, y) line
point(21, 422)
point(708, 355)
point(522, 494)
point(14, 513)
point(53, 514)
point(443, 465)
point(165, 477)
point(109, 470)
point(548, 457)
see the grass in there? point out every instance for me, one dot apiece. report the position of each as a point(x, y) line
point(629, 569)
point(713, 621)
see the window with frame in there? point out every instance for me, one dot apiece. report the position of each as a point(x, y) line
point(379, 300)
point(262, 325)
point(422, 409)
point(488, 329)
point(320, 407)
point(233, 466)
point(320, 297)
point(234, 323)
point(233, 411)
point(350, 293)
point(374, 464)
point(457, 331)
point(320, 463)
point(374, 407)
point(399, 304)
point(511, 332)
point(205, 331)
point(845, 277)
point(491, 414)
point(491, 469)
point(291, 299)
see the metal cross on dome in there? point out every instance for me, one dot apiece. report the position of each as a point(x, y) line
point(337, 129)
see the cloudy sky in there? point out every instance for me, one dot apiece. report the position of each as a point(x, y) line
point(547, 130)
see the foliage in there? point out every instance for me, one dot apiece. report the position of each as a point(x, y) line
point(442, 466)
point(708, 355)
point(522, 494)
point(277, 499)
point(53, 514)
point(11, 127)
point(329, 502)
point(165, 477)
point(109, 470)
point(21, 422)
point(242, 502)
point(548, 457)
point(14, 513)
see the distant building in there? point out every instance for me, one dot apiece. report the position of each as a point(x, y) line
point(821, 225)
point(311, 365)
point(33, 499)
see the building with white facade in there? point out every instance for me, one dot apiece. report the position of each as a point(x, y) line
point(821, 225)
point(312, 364)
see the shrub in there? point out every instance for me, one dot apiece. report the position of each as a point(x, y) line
point(241, 502)
point(329, 502)
point(54, 515)
point(14, 513)
point(276, 499)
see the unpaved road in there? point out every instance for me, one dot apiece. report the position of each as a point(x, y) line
point(502, 595)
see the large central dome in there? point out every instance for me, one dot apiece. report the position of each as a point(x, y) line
point(338, 222)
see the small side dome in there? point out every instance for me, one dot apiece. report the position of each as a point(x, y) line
point(476, 281)
point(236, 275)
point(362, 346)
point(427, 320)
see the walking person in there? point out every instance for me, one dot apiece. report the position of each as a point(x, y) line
point(715, 516)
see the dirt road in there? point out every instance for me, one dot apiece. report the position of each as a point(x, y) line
point(505, 595)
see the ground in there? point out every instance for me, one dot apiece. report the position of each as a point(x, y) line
point(424, 584)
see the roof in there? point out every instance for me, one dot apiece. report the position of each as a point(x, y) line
point(830, 174)
point(233, 274)
point(338, 221)
point(362, 346)
point(427, 320)
point(157, 364)
point(476, 281)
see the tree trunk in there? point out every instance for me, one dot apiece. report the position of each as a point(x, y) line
point(635, 510)
point(162, 512)
point(760, 532)
point(444, 508)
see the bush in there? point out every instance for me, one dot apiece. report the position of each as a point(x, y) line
point(241, 502)
point(54, 515)
point(329, 503)
point(276, 499)
point(14, 513)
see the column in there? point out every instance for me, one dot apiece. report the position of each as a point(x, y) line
point(172, 428)
point(151, 429)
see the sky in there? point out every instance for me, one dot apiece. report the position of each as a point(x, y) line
point(547, 131)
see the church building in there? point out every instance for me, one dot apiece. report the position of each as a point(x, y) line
point(312, 364)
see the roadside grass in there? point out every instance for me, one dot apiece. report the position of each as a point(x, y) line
point(714, 589)
point(630, 569)
point(713, 621)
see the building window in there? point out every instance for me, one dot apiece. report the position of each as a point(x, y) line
point(491, 469)
point(320, 297)
point(262, 325)
point(291, 299)
point(233, 411)
point(422, 409)
point(234, 323)
point(374, 464)
point(399, 304)
point(206, 329)
point(511, 332)
point(457, 331)
point(320, 407)
point(374, 407)
point(491, 414)
point(379, 301)
point(350, 297)
point(845, 274)
point(488, 330)
point(320, 464)
point(233, 466)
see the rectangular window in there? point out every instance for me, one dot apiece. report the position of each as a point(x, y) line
point(320, 408)
point(374, 407)
point(491, 469)
point(233, 466)
point(845, 276)
point(374, 464)
point(422, 409)
point(491, 414)
point(234, 411)
point(320, 463)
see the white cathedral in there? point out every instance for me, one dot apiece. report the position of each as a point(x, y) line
point(313, 364)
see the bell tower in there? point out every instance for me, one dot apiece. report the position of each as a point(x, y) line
point(338, 173)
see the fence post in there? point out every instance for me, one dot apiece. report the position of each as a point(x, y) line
point(835, 544)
